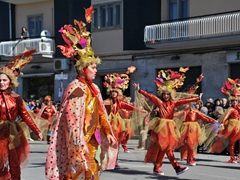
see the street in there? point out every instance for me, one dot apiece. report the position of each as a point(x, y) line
point(209, 166)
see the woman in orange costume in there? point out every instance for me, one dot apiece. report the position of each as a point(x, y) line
point(47, 112)
point(119, 110)
point(83, 142)
point(164, 126)
point(230, 126)
point(190, 131)
point(13, 143)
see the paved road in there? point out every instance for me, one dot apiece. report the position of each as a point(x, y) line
point(209, 166)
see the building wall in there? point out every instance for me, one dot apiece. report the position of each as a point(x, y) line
point(107, 41)
point(203, 7)
point(45, 8)
point(214, 68)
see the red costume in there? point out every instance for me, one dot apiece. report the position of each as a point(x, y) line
point(230, 130)
point(191, 133)
point(164, 134)
point(162, 127)
point(47, 112)
point(122, 127)
point(118, 110)
point(13, 143)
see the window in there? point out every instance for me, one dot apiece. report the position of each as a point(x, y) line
point(107, 16)
point(35, 25)
point(178, 9)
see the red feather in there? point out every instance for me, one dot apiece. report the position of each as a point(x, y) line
point(88, 14)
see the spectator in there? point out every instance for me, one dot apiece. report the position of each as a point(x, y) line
point(225, 103)
point(24, 33)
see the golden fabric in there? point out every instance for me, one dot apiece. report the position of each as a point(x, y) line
point(92, 164)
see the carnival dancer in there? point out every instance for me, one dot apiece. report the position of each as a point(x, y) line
point(190, 131)
point(119, 111)
point(229, 132)
point(47, 112)
point(164, 138)
point(83, 142)
point(14, 145)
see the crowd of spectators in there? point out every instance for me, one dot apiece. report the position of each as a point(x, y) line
point(36, 105)
point(213, 108)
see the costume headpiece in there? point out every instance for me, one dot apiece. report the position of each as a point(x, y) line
point(118, 82)
point(47, 98)
point(231, 88)
point(79, 42)
point(193, 88)
point(170, 81)
point(14, 67)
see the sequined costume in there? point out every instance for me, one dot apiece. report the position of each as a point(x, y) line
point(190, 133)
point(164, 135)
point(14, 146)
point(75, 150)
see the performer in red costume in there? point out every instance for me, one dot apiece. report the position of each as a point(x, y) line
point(164, 126)
point(47, 112)
point(190, 130)
point(118, 109)
point(83, 142)
point(230, 126)
point(13, 143)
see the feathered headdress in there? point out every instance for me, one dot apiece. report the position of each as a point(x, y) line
point(79, 42)
point(47, 98)
point(170, 81)
point(118, 82)
point(231, 88)
point(14, 67)
point(193, 88)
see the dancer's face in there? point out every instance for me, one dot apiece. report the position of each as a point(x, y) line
point(114, 94)
point(4, 82)
point(91, 71)
point(234, 103)
point(166, 96)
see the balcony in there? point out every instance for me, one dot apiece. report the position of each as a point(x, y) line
point(22, 1)
point(201, 32)
point(45, 47)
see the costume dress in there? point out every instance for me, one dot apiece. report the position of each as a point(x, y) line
point(13, 143)
point(81, 128)
point(164, 135)
point(229, 133)
point(119, 114)
point(47, 112)
point(190, 133)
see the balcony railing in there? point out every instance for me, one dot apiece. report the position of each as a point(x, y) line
point(205, 27)
point(44, 46)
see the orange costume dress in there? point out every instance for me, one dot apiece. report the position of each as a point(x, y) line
point(14, 146)
point(47, 113)
point(164, 135)
point(119, 114)
point(190, 133)
point(229, 132)
point(79, 147)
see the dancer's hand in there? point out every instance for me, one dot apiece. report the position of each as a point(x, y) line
point(111, 139)
point(40, 137)
point(136, 86)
